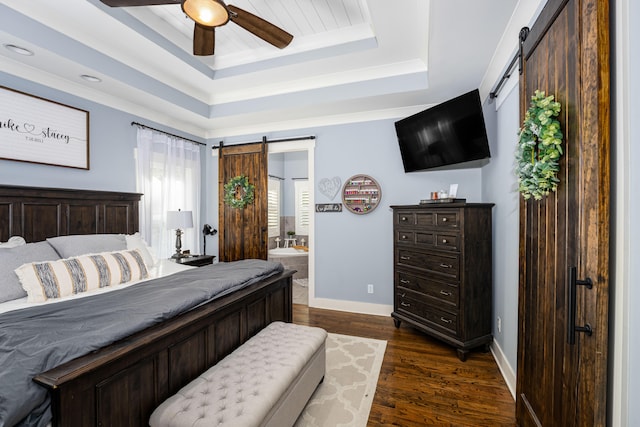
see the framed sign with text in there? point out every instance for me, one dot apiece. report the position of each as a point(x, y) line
point(37, 130)
point(328, 207)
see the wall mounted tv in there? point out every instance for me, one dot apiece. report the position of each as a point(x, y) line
point(450, 135)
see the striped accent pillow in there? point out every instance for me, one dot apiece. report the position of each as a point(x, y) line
point(85, 273)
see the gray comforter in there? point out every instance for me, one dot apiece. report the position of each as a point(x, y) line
point(37, 339)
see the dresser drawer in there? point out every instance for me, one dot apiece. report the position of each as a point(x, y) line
point(444, 293)
point(407, 237)
point(425, 219)
point(448, 219)
point(438, 218)
point(444, 264)
point(427, 313)
point(428, 239)
point(404, 218)
point(447, 241)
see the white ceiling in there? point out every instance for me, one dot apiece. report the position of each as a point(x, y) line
point(313, 23)
point(350, 60)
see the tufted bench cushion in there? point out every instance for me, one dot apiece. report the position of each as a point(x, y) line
point(266, 381)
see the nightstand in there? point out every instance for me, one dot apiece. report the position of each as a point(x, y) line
point(195, 260)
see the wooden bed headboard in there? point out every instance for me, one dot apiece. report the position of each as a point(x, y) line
point(37, 213)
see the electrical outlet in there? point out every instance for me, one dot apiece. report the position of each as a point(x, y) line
point(370, 288)
point(499, 325)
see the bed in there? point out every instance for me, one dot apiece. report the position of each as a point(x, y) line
point(120, 383)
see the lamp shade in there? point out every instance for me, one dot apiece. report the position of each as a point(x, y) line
point(209, 13)
point(179, 220)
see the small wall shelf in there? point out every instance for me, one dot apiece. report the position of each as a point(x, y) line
point(361, 194)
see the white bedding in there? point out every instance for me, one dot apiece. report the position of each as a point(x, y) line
point(163, 267)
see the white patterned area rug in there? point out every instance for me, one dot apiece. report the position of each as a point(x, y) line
point(345, 396)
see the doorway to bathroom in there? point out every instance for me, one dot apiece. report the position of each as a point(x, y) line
point(290, 213)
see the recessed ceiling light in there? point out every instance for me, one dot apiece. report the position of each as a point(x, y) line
point(19, 50)
point(92, 79)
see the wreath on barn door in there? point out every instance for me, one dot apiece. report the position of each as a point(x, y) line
point(539, 148)
point(238, 192)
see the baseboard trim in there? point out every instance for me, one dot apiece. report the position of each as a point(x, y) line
point(505, 368)
point(351, 306)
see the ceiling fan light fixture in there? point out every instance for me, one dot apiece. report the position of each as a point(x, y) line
point(209, 13)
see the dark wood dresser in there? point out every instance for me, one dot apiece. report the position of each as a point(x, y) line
point(442, 272)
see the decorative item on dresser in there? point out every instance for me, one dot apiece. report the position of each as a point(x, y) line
point(442, 272)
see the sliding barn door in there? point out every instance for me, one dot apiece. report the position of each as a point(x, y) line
point(243, 231)
point(564, 238)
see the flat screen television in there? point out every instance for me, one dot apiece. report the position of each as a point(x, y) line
point(451, 133)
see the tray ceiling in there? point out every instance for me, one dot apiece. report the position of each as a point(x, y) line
point(350, 60)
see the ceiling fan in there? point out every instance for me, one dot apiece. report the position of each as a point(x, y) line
point(209, 14)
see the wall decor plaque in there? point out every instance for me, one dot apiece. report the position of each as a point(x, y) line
point(36, 130)
point(328, 207)
point(330, 187)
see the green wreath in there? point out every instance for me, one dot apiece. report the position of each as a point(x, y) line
point(539, 148)
point(238, 193)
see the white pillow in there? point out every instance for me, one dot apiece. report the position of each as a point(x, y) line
point(13, 242)
point(135, 241)
point(64, 277)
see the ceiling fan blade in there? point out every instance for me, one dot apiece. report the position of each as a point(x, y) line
point(204, 39)
point(261, 28)
point(126, 3)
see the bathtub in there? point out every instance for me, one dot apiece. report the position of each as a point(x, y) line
point(292, 259)
point(287, 252)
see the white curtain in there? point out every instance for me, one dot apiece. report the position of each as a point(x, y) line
point(168, 176)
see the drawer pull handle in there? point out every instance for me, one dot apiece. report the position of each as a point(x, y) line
point(404, 237)
point(443, 265)
point(405, 258)
point(404, 218)
point(444, 240)
point(403, 295)
point(444, 219)
point(404, 304)
point(445, 293)
point(443, 320)
point(404, 281)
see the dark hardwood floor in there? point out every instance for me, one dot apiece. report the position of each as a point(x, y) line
point(422, 382)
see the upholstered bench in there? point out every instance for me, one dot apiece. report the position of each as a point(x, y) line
point(267, 381)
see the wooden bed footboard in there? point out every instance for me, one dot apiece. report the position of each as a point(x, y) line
point(120, 385)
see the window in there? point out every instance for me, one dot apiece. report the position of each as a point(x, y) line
point(302, 206)
point(168, 174)
point(273, 207)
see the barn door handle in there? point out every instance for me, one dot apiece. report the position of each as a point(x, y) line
point(573, 284)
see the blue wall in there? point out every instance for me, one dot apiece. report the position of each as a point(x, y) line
point(356, 250)
point(499, 185)
point(112, 140)
point(352, 250)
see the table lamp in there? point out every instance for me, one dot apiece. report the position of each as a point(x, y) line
point(179, 220)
